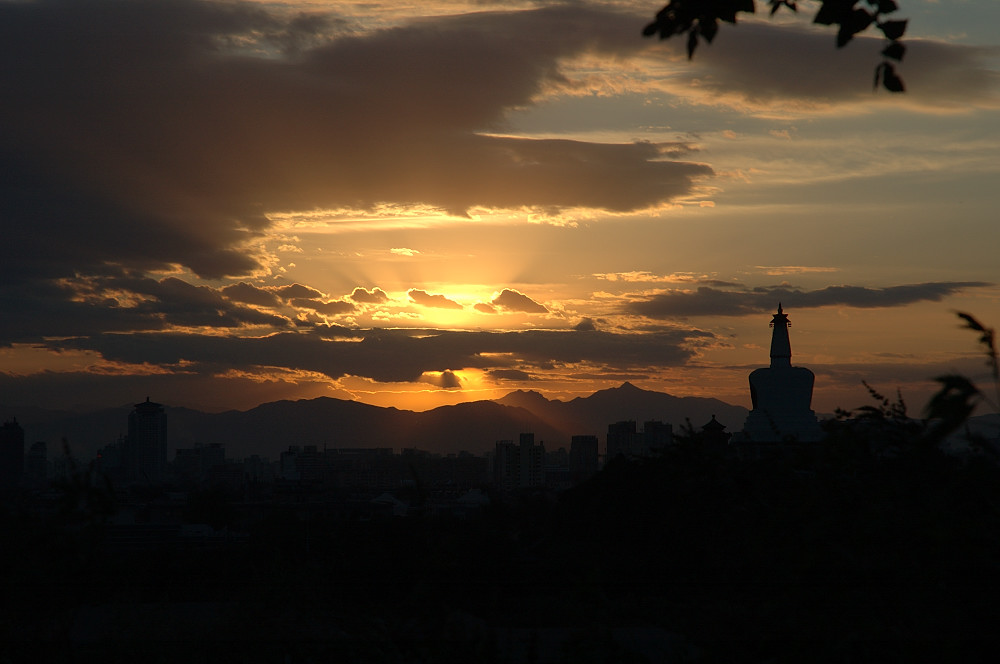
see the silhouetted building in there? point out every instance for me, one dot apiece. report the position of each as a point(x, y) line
point(226, 474)
point(310, 464)
point(714, 437)
point(519, 466)
point(193, 464)
point(781, 396)
point(557, 473)
point(450, 472)
point(583, 457)
point(506, 466)
point(110, 461)
point(288, 466)
point(367, 468)
point(656, 436)
point(622, 438)
point(11, 454)
point(257, 470)
point(625, 440)
point(145, 454)
point(36, 465)
point(532, 461)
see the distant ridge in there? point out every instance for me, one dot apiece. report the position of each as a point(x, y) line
point(473, 426)
point(627, 402)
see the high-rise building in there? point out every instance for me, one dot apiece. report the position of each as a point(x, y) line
point(625, 440)
point(532, 461)
point(145, 454)
point(11, 454)
point(506, 466)
point(582, 457)
point(622, 438)
point(519, 466)
point(192, 464)
point(656, 436)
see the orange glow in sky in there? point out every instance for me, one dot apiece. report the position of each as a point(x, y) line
point(423, 204)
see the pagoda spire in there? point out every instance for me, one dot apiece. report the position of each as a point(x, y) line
point(781, 347)
point(781, 396)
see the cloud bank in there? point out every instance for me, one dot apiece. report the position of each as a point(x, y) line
point(203, 119)
point(706, 301)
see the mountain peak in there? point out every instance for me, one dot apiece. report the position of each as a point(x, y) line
point(522, 398)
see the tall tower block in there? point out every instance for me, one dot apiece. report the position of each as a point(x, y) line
point(147, 442)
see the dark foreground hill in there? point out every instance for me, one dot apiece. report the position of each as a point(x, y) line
point(475, 426)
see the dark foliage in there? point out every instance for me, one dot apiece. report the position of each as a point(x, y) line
point(833, 552)
point(699, 19)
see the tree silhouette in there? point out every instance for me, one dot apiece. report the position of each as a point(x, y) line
point(699, 19)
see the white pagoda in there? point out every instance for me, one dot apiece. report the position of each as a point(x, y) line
point(781, 396)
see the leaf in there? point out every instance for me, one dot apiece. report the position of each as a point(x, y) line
point(844, 35)
point(692, 43)
point(887, 6)
point(860, 19)
point(955, 401)
point(895, 50)
point(650, 29)
point(857, 21)
point(971, 322)
point(893, 29)
point(776, 4)
point(727, 10)
point(890, 81)
point(708, 30)
point(833, 11)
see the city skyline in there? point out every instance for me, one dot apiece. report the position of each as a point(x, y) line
point(221, 205)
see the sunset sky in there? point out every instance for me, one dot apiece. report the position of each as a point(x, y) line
point(421, 203)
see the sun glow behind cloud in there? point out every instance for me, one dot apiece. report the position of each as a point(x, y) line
point(272, 241)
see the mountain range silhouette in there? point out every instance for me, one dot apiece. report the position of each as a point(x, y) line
point(473, 426)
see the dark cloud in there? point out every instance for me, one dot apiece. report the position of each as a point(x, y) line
point(180, 303)
point(373, 296)
point(333, 308)
point(197, 136)
point(119, 302)
point(510, 374)
point(331, 331)
point(484, 308)
point(712, 302)
point(789, 63)
point(446, 380)
point(425, 299)
point(156, 137)
point(250, 294)
point(394, 355)
point(512, 300)
point(609, 376)
point(215, 391)
point(294, 291)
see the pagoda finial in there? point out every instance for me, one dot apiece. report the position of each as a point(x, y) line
point(781, 349)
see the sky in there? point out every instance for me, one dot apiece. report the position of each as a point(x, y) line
point(220, 204)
